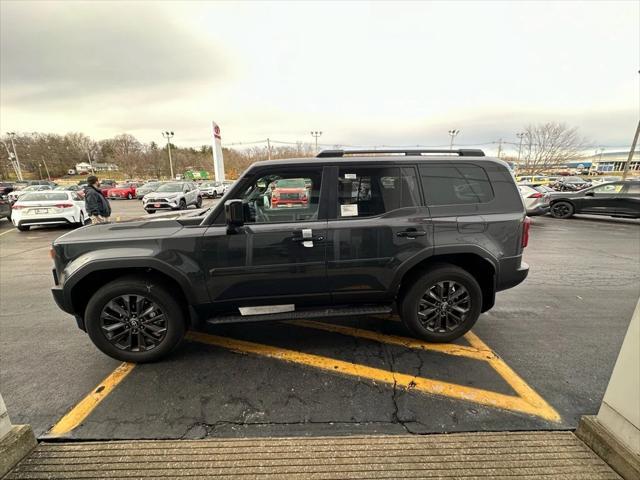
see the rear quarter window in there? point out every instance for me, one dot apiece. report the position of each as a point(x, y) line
point(455, 184)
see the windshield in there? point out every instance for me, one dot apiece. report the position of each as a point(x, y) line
point(44, 196)
point(123, 185)
point(170, 187)
point(573, 180)
point(150, 185)
point(290, 183)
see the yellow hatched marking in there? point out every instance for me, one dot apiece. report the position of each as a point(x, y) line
point(409, 382)
point(77, 414)
point(478, 351)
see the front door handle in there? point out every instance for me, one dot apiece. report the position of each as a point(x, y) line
point(306, 237)
point(411, 233)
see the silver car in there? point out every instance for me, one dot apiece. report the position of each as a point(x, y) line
point(148, 187)
point(535, 198)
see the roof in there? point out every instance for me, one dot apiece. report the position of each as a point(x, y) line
point(381, 156)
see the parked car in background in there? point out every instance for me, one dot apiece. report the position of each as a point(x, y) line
point(71, 188)
point(288, 192)
point(570, 184)
point(148, 187)
point(5, 206)
point(615, 199)
point(537, 179)
point(48, 208)
point(173, 196)
point(606, 179)
point(6, 188)
point(212, 189)
point(535, 199)
point(16, 194)
point(122, 190)
point(106, 185)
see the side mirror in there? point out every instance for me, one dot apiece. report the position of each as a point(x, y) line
point(234, 211)
point(589, 194)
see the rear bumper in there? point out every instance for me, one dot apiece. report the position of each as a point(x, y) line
point(512, 272)
point(538, 210)
point(31, 220)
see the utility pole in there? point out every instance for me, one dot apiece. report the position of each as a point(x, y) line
point(15, 155)
point(316, 134)
point(269, 149)
point(452, 133)
point(521, 137)
point(39, 170)
point(169, 136)
point(45, 167)
point(90, 163)
point(499, 147)
point(631, 152)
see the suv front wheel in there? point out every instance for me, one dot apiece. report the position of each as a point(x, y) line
point(134, 320)
point(442, 304)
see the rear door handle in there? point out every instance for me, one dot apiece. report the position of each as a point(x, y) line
point(411, 233)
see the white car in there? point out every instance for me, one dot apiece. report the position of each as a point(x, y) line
point(535, 198)
point(213, 189)
point(48, 208)
point(173, 196)
point(16, 194)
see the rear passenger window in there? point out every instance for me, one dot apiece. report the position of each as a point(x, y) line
point(455, 184)
point(366, 192)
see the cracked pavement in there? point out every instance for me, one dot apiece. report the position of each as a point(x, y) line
point(560, 331)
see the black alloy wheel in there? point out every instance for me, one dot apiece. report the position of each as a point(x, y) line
point(562, 210)
point(444, 307)
point(133, 323)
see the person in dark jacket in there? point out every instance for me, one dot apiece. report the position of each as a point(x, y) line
point(97, 206)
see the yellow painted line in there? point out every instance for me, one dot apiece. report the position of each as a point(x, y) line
point(446, 348)
point(516, 382)
point(9, 231)
point(478, 351)
point(77, 414)
point(424, 385)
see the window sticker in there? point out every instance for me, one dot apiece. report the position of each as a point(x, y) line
point(350, 176)
point(349, 210)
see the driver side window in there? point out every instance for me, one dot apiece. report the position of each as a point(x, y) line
point(611, 188)
point(281, 198)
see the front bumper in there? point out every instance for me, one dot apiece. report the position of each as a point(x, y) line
point(153, 205)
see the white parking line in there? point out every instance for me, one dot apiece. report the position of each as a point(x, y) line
point(9, 231)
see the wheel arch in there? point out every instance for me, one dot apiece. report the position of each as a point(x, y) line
point(482, 269)
point(80, 293)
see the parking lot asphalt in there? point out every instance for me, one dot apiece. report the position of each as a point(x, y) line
point(539, 359)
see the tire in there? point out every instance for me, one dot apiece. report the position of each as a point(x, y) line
point(182, 205)
point(562, 210)
point(199, 202)
point(151, 211)
point(129, 196)
point(24, 228)
point(443, 323)
point(214, 195)
point(81, 222)
point(116, 293)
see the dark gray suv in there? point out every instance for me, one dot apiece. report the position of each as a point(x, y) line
point(432, 235)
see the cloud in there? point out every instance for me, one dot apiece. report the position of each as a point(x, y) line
point(64, 52)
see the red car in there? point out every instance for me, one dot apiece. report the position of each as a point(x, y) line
point(123, 190)
point(289, 192)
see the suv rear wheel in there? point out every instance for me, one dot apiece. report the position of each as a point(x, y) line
point(134, 320)
point(442, 304)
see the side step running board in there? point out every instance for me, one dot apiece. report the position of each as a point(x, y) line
point(303, 314)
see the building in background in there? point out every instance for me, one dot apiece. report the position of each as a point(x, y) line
point(613, 161)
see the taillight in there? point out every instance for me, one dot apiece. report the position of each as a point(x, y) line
point(63, 205)
point(536, 195)
point(18, 207)
point(526, 224)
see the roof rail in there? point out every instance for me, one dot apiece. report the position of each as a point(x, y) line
point(463, 152)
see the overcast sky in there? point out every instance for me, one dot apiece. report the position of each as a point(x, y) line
point(363, 73)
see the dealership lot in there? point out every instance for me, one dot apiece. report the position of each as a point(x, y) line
point(539, 360)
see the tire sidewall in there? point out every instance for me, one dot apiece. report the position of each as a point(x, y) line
point(409, 302)
point(567, 215)
point(149, 289)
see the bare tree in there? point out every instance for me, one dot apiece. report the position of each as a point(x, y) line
point(549, 145)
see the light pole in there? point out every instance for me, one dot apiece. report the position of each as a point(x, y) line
point(15, 155)
point(452, 133)
point(521, 136)
point(169, 136)
point(316, 134)
point(627, 165)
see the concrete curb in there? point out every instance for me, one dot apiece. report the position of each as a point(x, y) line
point(607, 447)
point(14, 446)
